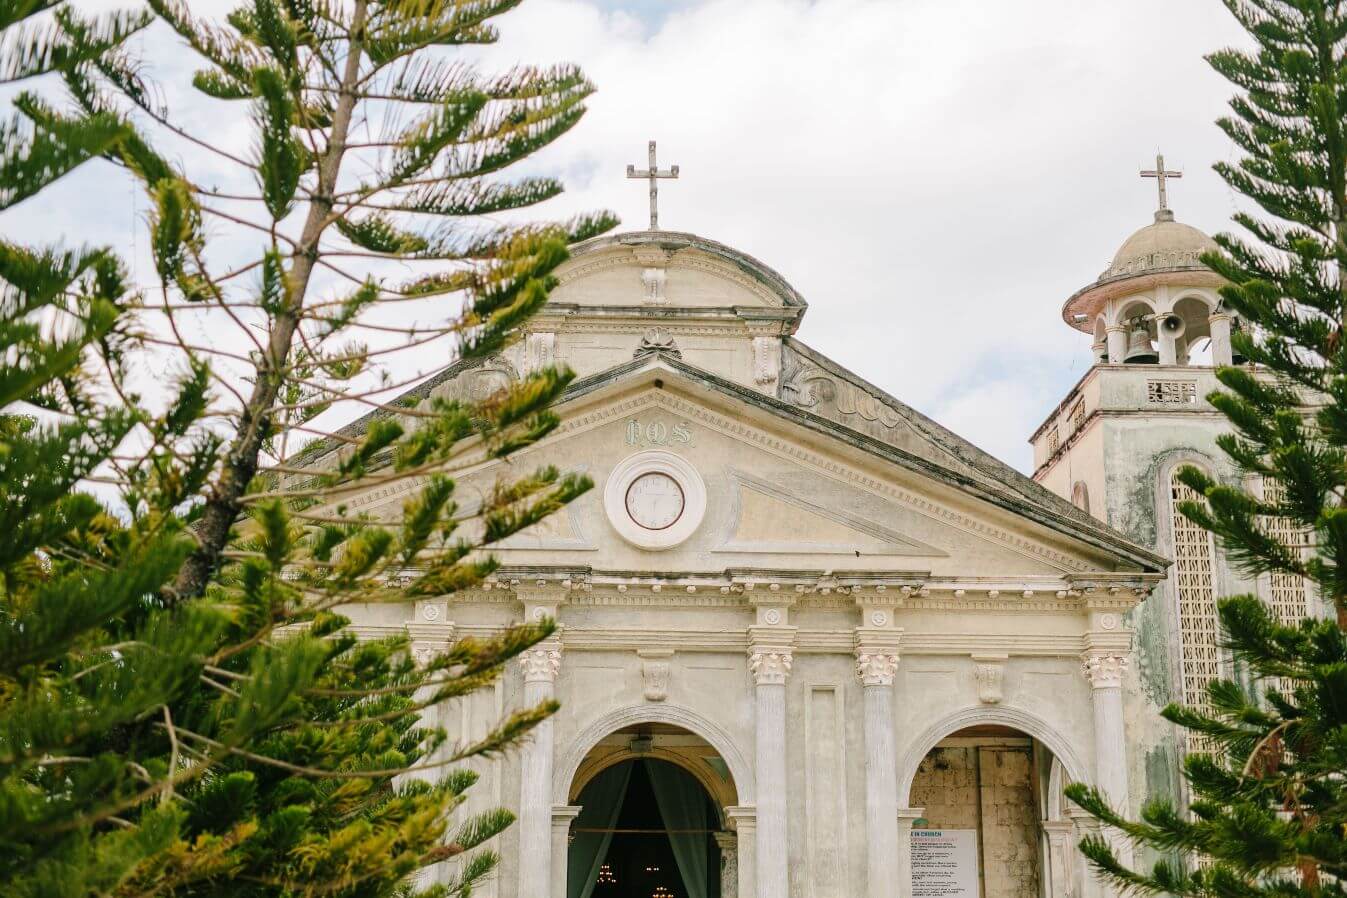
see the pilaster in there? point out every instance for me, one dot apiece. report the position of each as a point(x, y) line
point(728, 843)
point(562, 817)
point(876, 643)
point(905, 818)
point(771, 643)
point(744, 821)
point(540, 664)
point(1104, 664)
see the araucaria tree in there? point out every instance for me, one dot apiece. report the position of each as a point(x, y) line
point(181, 707)
point(1267, 812)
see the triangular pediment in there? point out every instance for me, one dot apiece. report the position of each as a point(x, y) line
point(773, 519)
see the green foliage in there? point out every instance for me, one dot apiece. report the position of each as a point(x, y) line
point(182, 709)
point(1267, 811)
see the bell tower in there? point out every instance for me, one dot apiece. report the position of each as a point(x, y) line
point(1113, 446)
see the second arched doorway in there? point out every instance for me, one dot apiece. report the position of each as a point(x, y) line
point(651, 820)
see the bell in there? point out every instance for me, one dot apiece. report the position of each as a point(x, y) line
point(1139, 349)
point(1236, 357)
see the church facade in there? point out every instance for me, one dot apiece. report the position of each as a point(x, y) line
point(797, 618)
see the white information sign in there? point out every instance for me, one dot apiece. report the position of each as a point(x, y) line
point(944, 863)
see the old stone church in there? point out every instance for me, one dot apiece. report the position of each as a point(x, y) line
point(804, 627)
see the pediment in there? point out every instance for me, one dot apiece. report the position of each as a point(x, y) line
point(776, 519)
point(783, 491)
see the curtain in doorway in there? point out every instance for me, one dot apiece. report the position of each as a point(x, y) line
point(682, 805)
point(600, 803)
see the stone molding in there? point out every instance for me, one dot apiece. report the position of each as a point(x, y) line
point(1028, 723)
point(1104, 671)
point(741, 772)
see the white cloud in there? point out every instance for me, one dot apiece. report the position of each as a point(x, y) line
point(935, 176)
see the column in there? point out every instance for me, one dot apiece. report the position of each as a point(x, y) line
point(769, 660)
point(1117, 343)
point(562, 817)
point(541, 665)
point(729, 864)
point(876, 665)
point(1104, 672)
point(1222, 353)
point(906, 817)
point(745, 823)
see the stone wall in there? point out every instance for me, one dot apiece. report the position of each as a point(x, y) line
point(989, 788)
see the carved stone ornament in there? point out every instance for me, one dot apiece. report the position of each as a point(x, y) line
point(770, 667)
point(652, 279)
point(541, 665)
point(813, 388)
point(539, 350)
point(1105, 671)
point(990, 677)
point(657, 339)
point(655, 673)
point(766, 360)
point(876, 668)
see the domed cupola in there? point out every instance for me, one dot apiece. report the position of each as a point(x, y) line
point(1155, 302)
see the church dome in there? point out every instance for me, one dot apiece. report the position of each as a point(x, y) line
point(1163, 244)
point(1164, 252)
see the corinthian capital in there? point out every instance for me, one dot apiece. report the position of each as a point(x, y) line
point(876, 668)
point(769, 666)
point(1105, 671)
point(541, 664)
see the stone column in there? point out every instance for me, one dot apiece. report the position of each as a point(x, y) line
point(1117, 343)
point(562, 817)
point(906, 817)
point(1104, 671)
point(541, 664)
point(769, 660)
point(876, 664)
point(745, 823)
point(729, 864)
point(1221, 351)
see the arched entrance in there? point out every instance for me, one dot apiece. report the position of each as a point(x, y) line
point(993, 817)
point(651, 820)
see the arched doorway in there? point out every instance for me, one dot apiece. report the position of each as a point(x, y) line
point(993, 817)
point(651, 819)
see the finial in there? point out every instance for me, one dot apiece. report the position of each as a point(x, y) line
point(1164, 213)
point(653, 174)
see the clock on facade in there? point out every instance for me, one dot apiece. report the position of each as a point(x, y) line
point(655, 499)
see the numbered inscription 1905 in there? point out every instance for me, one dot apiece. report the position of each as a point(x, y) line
point(658, 432)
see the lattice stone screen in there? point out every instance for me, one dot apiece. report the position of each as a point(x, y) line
point(1199, 630)
point(1288, 595)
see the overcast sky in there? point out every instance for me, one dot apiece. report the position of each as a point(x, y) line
point(934, 176)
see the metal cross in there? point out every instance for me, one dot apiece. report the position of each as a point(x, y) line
point(653, 174)
point(1159, 174)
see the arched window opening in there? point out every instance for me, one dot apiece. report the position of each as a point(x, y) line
point(1080, 496)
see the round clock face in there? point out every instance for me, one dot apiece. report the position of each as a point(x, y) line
point(655, 500)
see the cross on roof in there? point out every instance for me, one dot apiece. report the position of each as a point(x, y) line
point(653, 174)
point(1159, 174)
